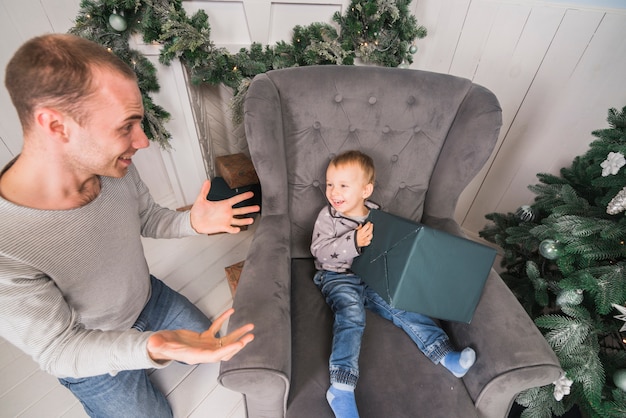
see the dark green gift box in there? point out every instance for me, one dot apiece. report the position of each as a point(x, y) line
point(420, 269)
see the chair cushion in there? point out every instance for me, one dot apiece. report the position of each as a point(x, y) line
point(396, 380)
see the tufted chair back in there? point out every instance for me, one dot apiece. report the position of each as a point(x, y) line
point(428, 133)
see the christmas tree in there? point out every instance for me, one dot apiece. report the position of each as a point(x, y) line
point(565, 260)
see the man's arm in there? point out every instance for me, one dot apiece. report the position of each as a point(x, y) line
point(35, 317)
point(205, 217)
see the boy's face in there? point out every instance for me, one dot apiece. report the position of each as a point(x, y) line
point(347, 188)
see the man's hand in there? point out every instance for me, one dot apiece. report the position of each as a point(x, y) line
point(209, 217)
point(194, 348)
point(364, 234)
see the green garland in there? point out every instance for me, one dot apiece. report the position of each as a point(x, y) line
point(377, 31)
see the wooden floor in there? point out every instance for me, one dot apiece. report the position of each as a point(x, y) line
point(193, 266)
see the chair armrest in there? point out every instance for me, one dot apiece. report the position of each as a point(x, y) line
point(512, 355)
point(262, 370)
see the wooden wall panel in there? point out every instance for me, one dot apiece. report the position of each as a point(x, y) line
point(286, 15)
point(575, 83)
point(527, 53)
point(444, 22)
point(228, 20)
point(19, 21)
point(506, 62)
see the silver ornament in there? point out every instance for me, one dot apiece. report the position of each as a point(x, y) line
point(117, 22)
point(525, 213)
point(549, 248)
point(618, 203)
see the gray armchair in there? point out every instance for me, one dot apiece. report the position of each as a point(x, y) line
point(429, 134)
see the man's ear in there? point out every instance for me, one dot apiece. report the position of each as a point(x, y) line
point(52, 123)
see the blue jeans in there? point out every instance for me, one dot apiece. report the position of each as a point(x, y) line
point(130, 393)
point(348, 297)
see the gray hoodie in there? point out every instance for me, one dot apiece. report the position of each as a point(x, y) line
point(334, 239)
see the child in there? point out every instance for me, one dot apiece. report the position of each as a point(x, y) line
point(339, 234)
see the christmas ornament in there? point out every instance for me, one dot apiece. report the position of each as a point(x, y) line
point(614, 161)
point(549, 248)
point(525, 213)
point(403, 64)
point(618, 203)
point(570, 297)
point(621, 317)
point(619, 378)
point(413, 49)
point(117, 22)
point(562, 387)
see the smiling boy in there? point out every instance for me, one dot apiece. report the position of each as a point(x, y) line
point(340, 232)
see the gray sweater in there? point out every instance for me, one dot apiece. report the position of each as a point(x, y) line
point(73, 282)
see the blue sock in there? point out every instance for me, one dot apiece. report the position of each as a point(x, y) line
point(459, 362)
point(341, 399)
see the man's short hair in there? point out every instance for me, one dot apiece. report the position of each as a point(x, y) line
point(56, 70)
point(359, 158)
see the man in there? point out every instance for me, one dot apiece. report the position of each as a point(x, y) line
point(75, 291)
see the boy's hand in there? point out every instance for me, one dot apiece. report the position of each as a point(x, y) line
point(364, 234)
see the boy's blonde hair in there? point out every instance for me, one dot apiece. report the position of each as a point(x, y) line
point(359, 158)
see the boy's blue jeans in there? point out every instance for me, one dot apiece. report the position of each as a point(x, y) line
point(130, 393)
point(348, 297)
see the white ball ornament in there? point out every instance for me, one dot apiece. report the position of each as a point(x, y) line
point(118, 22)
point(619, 378)
point(412, 49)
point(549, 248)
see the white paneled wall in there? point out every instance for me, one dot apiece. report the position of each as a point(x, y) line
point(556, 70)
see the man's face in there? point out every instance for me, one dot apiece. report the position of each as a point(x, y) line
point(347, 188)
point(111, 133)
